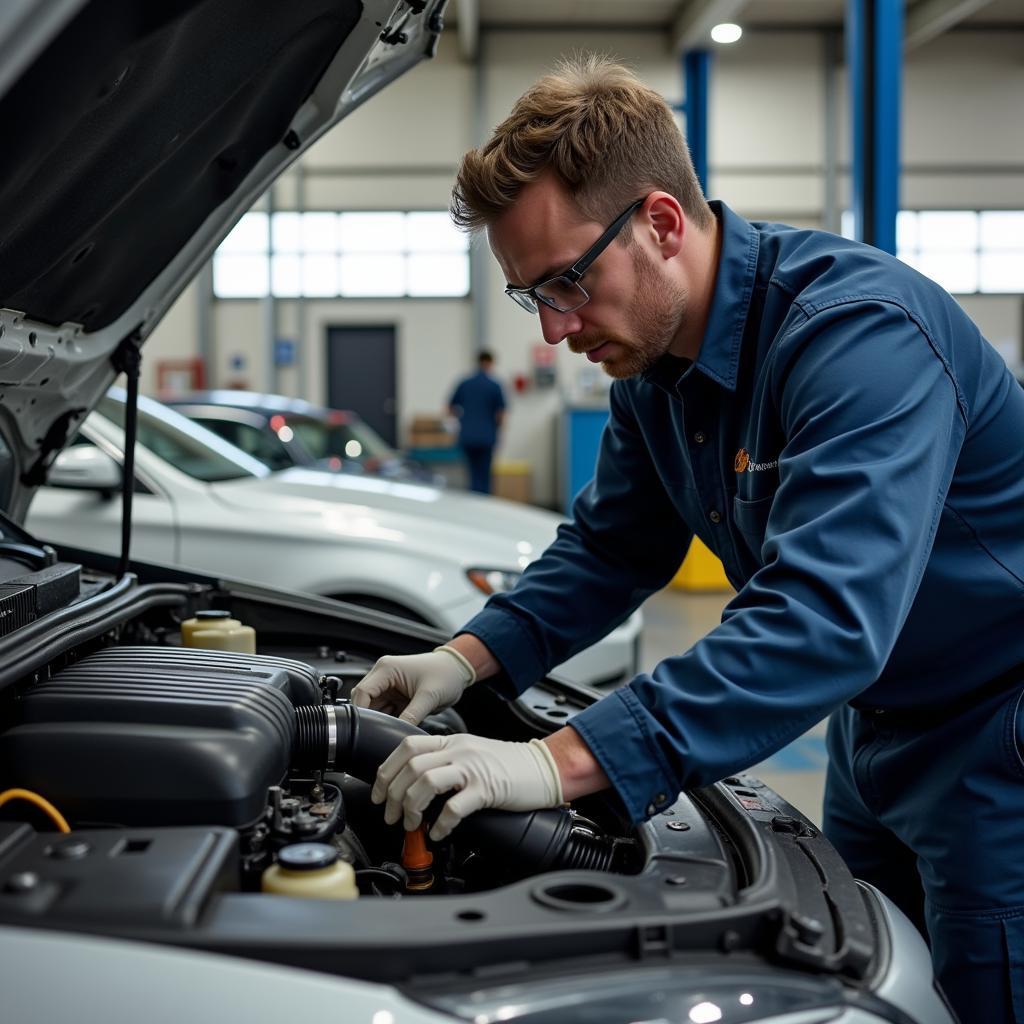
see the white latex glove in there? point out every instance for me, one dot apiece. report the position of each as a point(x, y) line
point(414, 685)
point(486, 773)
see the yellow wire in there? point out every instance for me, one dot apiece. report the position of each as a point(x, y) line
point(41, 802)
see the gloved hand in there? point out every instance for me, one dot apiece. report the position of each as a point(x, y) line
point(414, 685)
point(486, 773)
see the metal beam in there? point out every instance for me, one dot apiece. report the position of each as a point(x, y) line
point(468, 19)
point(874, 59)
point(930, 18)
point(696, 68)
point(831, 60)
point(697, 18)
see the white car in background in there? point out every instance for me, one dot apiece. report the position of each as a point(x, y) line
point(417, 551)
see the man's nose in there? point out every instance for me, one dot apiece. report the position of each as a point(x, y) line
point(555, 326)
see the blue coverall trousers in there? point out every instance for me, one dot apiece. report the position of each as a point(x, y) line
point(928, 805)
point(478, 462)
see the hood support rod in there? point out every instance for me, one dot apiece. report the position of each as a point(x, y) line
point(127, 359)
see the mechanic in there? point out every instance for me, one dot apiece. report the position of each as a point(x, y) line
point(478, 403)
point(833, 426)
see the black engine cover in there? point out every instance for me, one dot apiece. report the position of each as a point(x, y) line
point(144, 736)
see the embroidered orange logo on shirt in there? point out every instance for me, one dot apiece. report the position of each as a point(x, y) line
point(742, 461)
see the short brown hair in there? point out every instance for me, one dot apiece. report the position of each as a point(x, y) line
point(606, 136)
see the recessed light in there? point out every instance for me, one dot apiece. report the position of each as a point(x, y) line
point(727, 32)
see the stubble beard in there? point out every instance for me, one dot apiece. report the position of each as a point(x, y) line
point(656, 313)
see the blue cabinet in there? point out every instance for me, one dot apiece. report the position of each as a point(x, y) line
point(581, 438)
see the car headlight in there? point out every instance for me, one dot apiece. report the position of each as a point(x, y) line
point(492, 581)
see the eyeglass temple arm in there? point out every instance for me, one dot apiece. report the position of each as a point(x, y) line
point(582, 265)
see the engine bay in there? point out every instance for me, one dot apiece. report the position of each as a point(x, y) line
point(193, 782)
point(266, 746)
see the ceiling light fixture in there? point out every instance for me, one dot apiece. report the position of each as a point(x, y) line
point(727, 32)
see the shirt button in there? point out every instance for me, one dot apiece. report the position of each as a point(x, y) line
point(660, 798)
point(715, 516)
point(700, 437)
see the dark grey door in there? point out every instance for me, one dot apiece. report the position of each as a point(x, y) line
point(361, 375)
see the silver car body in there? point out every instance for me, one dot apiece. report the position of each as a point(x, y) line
point(334, 534)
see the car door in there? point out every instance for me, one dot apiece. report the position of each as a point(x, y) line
point(92, 519)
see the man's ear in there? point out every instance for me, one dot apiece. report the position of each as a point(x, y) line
point(666, 222)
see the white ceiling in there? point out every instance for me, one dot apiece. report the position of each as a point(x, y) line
point(663, 13)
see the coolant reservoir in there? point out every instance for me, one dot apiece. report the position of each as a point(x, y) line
point(217, 631)
point(312, 871)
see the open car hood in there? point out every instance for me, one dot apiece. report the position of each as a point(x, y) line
point(137, 135)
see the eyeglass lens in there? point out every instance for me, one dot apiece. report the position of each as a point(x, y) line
point(561, 294)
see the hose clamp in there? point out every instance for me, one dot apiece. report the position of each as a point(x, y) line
point(332, 735)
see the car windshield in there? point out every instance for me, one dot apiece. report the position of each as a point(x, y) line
point(187, 447)
point(348, 438)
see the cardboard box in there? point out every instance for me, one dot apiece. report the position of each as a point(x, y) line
point(427, 430)
point(510, 479)
point(436, 439)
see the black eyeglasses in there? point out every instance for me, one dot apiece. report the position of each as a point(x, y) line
point(563, 292)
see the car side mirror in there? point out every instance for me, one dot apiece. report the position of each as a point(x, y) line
point(85, 468)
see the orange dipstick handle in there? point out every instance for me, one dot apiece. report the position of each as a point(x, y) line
point(415, 855)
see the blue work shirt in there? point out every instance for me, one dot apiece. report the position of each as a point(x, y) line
point(479, 399)
point(853, 450)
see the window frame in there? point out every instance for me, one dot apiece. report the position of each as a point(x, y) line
point(269, 253)
point(979, 250)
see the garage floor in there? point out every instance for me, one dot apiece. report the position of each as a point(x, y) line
point(673, 621)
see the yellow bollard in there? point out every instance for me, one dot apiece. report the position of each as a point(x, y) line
point(700, 571)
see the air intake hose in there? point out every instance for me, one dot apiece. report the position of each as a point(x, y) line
point(356, 740)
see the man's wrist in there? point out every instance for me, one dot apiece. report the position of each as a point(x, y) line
point(579, 771)
point(477, 653)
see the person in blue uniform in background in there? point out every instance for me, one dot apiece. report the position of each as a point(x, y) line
point(478, 403)
point(835, 428)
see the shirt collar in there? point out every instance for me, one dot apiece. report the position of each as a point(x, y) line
point(719, 353)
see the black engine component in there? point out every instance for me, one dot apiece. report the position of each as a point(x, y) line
point(154, 736)
point(189, 737)
point(26, 596)
point(358, 741)
point(53, 586)
point(302, 685)
point(130, 879)
point(17, 607)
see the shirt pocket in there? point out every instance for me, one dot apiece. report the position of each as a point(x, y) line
point(751, 518)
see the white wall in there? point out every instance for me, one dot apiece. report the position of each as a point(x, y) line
point(963, 147)
point(174, 339)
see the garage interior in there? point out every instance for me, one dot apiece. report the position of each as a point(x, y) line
point(373, 644)
point(770, 121)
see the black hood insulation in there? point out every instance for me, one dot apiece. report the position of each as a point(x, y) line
point(132, 126)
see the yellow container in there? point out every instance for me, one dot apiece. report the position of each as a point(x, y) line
point(217, 631)
point(310, 871)
point(701, 571)
point(511, 479)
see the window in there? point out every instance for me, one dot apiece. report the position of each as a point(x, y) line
point(966, 251)
point(185, 451)
point(260, 444)
point(385, 254)
point(349, 439)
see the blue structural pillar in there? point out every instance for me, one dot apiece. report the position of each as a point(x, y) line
point(874, 59)
point(696, 65)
